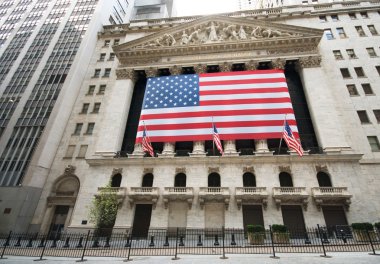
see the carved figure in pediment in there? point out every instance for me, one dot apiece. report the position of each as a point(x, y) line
point(257, 33)
point(194, 37)
point(230, 32)
point(242, 34)
point(185, 38)
point(213, 36)
point(168, 40)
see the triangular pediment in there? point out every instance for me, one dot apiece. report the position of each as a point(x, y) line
point(215, 34)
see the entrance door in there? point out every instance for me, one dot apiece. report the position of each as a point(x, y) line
point(252, 215)
point(141, 221)
point(59, 219)
point(292, 216)
point(334, 216)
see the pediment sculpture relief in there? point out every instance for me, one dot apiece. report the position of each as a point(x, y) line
point(216, 32)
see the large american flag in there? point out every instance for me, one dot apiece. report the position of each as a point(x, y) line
point(245, 105)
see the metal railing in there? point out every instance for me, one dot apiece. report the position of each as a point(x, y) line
point(174, 241)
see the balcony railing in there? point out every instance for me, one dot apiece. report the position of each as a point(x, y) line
point(331, 195)
point(251, 195)
point(214, 194)
point(286, 195)
point(143, 194)
point(178, 194)
point(119, 191)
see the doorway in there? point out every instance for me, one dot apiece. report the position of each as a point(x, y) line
point(141, 221)
point(292, 216)
point(335, 218)
point(58, 220)
point(252, 215)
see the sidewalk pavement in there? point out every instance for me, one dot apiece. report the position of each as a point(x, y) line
point(335, 258)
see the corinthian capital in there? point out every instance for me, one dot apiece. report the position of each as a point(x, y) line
point(176, 70)
point(278, 63)
point(200, 68)
point(251, 65)
point(310, 62)
point(150, 72)
point(125, 74)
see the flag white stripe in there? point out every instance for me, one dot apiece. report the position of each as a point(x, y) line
point(212, 87)
point(215, 108)
point(217, 119)
point(241, 77)
point(243, 96)
point(221, 131)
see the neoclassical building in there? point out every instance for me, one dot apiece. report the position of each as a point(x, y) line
point(328, 53)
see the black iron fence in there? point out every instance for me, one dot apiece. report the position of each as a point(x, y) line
point(162, 242)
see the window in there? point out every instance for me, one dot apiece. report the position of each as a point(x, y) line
point(352, 15)
point(374, 143)
point(372, 29)
point(363, 117)
point(334, 18)
point(322, 19)
point(214, 180)
point(116, 41)
point(70, 151)
point(367, 88)
point(345, 73)
point(351, 54)
point(102, 56)
point(78, 128)
point(96, 108)
point(107, 72)
point(371, 52)
point(112, 57)
point(91, 90)
point(180, 180)
point(338, 55)
point(96, 73)
point(364, 14)
point(107, 43)
point(359, 71)
point(360, 31)
point(341, 33)
point(329, 34)
point(323, 179)
point(90, 128)
point(378, 69)
point(377, 115)
point(285, 179)
point(116, 180)
point(147, 180)
point(352, 89)
point(85, 108)
point(249, 180)
point(102, 89)
point(82, 151)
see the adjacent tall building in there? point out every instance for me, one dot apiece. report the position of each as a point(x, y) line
point(328, 53)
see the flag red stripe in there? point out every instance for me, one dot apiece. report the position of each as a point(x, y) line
point(245, 91)
point(218, 113)
point(220, 125)
point(246, 101)
point(246, 81)
point(214, 74)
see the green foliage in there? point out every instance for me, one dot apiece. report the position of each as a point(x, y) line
point(104, 207)
point(362, 226)
point(377, 225)
point(255, 228)
point(279, 229)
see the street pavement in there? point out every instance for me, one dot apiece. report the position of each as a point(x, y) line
point(335, 258)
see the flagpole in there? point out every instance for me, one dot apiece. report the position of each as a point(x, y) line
point(213, 143)
point(283, 127)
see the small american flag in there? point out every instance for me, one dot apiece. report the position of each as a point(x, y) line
point(216, 139)
point(290, 140)
point(146, 145)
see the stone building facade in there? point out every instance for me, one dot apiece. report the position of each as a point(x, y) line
point(328, 53)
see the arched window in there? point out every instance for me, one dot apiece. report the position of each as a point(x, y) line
point(214, 180)
point(285, 180)
point(147, 180)
point(323, 179)
point(249, 180)
point(116, 180)
point(180, 180)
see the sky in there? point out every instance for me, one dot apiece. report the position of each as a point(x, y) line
point(202, 7)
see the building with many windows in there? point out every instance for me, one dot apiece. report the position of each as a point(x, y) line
point(329, 56)
point(43, 47)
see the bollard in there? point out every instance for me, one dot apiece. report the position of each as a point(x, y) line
point(233, 242)
point(18, 243)
point(166, 244)
point(344, 238)
point(199, 244)
point(128, 244)
point(95, 244)
point(67, 245)
point(307, 239)
point(151, 244)
point(30, 242)
point(107, 244)
point(54, 244)
point(80, 243)
point(181, 244)
point(216, 243)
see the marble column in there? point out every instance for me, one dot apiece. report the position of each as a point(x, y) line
point(230, 148)
point(169, 150)
point(261, 146)
point(115, 115)
point(327, 125)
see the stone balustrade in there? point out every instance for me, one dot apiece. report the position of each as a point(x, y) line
point(290, 195)
point(178, 194)
point(331, 195)
point(143, 194)
point(251, 195)
point(214, 194)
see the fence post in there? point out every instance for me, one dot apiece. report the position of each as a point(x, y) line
point(85, 246)
point(370, 241)
point(224, 252)
point(271, 239)
point(176, 246)
point(44, 241)
point(323, 244)
point(129, 245)
point(6, 244)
